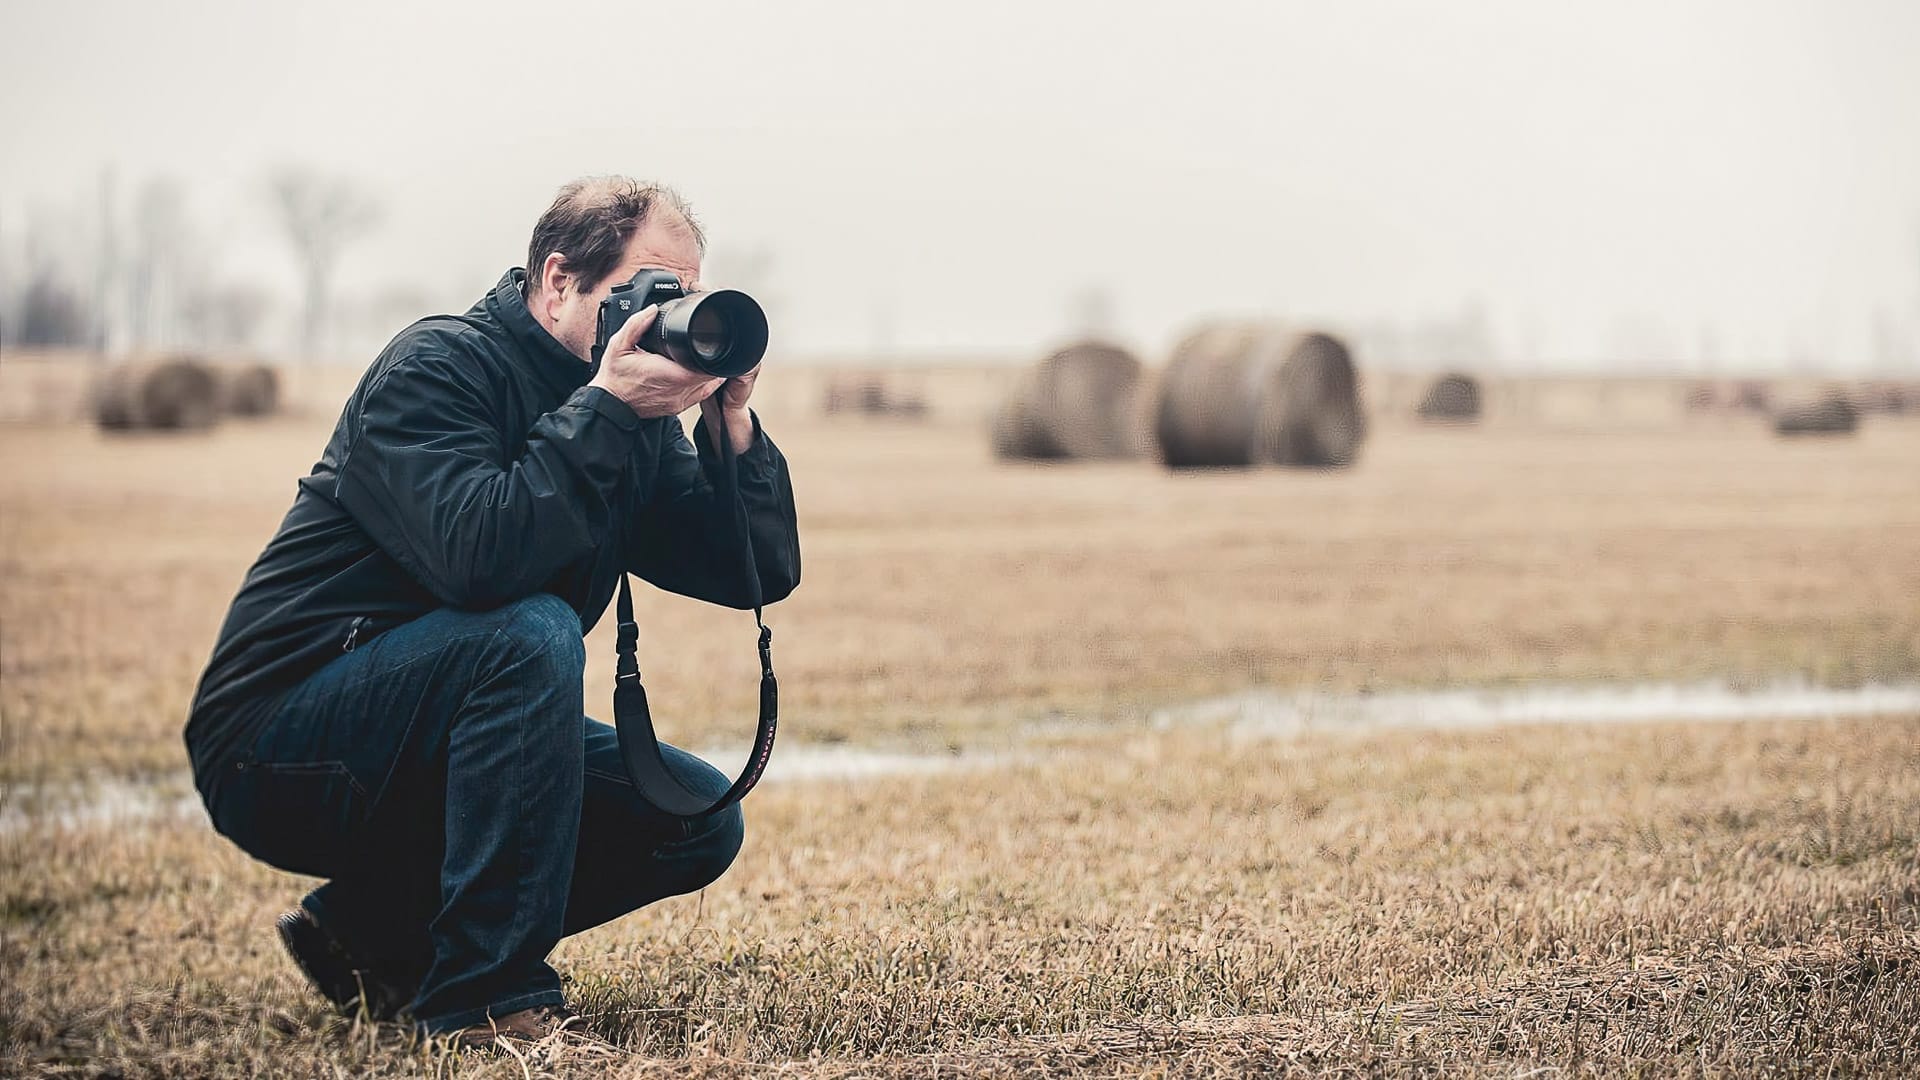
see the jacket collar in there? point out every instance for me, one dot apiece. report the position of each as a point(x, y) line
point(507, 304)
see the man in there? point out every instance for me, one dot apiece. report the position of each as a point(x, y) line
point(395, 702)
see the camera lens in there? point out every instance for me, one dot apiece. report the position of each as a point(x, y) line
point(723, 333)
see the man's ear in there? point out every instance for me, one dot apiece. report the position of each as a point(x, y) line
point(553, 283)
point(554, 279)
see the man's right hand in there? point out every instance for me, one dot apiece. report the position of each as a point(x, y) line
point(652, 385)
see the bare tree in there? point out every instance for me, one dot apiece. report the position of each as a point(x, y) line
point(225, 316)
point(322, 215)
point(44, 302)
point(158, 278)
point(51, 314)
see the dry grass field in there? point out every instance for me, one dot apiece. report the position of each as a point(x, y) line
point(1108, 897)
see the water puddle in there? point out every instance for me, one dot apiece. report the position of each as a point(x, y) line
point(1267, 713)
point(1262, 714)
point(98, 802)
point(815, 763)
point(105, 800)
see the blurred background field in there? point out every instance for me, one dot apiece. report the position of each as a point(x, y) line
point(952, 597)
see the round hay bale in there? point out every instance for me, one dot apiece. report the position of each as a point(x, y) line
point(115, 401)
point(1240, 394)
point(252, 390)
point(1751, 395)
point(1081, 403)
point(1832, 415)
point(1452, 399)
point(1209, 401)
point(1886, 396)
point(1017, 435)
point(177, 394)
point(1320, 424)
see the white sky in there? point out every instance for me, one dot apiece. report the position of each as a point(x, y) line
point(1601, 179)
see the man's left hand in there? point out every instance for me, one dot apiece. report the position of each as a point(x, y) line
point(728, 407)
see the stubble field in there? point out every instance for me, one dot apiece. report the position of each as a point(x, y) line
point(1090, 892)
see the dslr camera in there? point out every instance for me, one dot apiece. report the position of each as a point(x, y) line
point(722, 333)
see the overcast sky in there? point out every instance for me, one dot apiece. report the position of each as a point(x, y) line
point(1735, 176)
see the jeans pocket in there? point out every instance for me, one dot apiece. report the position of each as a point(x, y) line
point(298, 816)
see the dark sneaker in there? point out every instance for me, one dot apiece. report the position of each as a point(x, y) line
point(334, 971)
point(541, 1024)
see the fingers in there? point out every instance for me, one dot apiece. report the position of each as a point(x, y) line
point(741, 388)
point(629, 333)
point(709, 395)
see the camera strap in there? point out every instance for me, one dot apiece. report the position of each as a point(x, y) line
point(633, 719)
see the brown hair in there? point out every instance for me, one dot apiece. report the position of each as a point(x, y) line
point(591, 221)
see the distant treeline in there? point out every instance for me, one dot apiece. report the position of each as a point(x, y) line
point(118, 272)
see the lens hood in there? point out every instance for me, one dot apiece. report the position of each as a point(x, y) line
point(723, 333)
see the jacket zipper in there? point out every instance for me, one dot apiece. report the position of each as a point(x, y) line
point(353, 634)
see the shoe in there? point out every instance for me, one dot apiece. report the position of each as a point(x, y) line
point(333, 970)
point(542, 1023)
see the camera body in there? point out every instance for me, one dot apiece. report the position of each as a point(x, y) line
point(721, 333)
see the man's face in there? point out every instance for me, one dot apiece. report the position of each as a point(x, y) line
point(663, 243)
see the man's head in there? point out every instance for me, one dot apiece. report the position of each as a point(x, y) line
point(597, 233)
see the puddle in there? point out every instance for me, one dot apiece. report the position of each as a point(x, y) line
point(1256, 714)
point(98, 802)
point(104, 801)
point(1268, 713)
point(805, 763)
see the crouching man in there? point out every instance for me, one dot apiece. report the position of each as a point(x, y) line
point(395, 700)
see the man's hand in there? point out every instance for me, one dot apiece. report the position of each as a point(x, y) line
point(729, 407)
point(653, 385)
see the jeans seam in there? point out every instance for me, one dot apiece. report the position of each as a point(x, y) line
point(462, 1019)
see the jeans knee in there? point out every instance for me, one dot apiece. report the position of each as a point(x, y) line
point(541, 628)
point(711, 849)
point(711, 842)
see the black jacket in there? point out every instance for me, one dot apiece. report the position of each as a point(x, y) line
point(472, 467)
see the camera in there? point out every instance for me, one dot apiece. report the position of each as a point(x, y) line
point(722, 333)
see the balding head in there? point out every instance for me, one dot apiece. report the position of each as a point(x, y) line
point(598, 233)
point(592, 220)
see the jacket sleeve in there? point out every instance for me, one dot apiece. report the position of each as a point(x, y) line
point(684, 537)
point(478, 521)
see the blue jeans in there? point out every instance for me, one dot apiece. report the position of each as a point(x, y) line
point(468, 816)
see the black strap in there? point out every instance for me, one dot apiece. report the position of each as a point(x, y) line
point(633, 719)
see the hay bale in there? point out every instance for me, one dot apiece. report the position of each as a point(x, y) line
point(1321, 425)
point(1017, 434)
point(1452, 399)
point(1886, 396)
point(1081, 403)
point(176, 394)
point(251, 390)
point(1751, 395)
point(1834, 414)
point(1241, 394)
point(871, 395)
